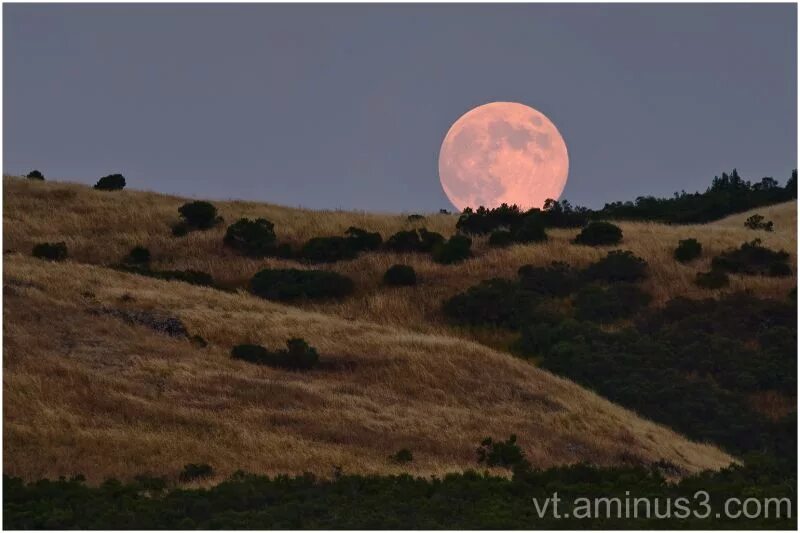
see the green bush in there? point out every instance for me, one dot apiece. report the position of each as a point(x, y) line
point(506, 453)
point(687, 250)
point(253, 238)
point(454, 250)
point(139, 255)
point(293, 284)
point(400, 276)
point(199, 214)
point(558, 279)
point(757, 222)
point(599, 234)
point(753, 259)
point(714, 279)
point(35, 175)
point(501, 238)
point(52, 251)
point(112, 182)
point(362, 240)
point(617, 266)
point(531, 229)
point(605, 305)
point(194, 471)
point(327, 250)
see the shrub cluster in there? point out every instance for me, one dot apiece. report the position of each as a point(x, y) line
point(199, 215)
point(599, 234)
point(332, 249)
point(112, 182)
point(506, 453)
point(454, 250)
point(35, 175)
point(558, 279)
point(52, 251)
point(713, 279)
point(754, 259)
point(415, 240)
point(400, 276)
point(501, 238)
point(757, 222)
point(297, 356)
point(194, 471)
point(362, 240)
point(293, 284)
point(617, 266)
point(687, 250)
point(609, 304)
point(253, 238)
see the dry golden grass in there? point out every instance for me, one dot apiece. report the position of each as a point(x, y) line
point(90, 393)
point(101, 228)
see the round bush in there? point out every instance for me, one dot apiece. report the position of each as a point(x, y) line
point(428, 240)
point(599, 234)
point(112, 182)
point(254, 238)
point(327, 250)
point(500, 238)
point(35, 175)
point(139, 255)
point(456, 249)
point(687, 250)
point(404, 242)
point(199, 214)
point(293, 284)
point(618, 265)
point(51, 251)
point(400, 276)
point(362, 240)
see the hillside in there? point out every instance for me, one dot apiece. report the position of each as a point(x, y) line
point(90, 388)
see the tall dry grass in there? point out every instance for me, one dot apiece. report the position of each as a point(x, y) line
point(85, 392)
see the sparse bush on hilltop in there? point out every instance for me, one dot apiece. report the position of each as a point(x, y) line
point(714, 279)
point(687, 250)
point(139, 255)
point(52, 251)
point(599, 234)
point(454, 250)
point(400, 276)
point(617, 266)
point(253, 238)
point(362, 240)
point(501, 238)
point(199, 214)
point(757, 222)
point(112, 182)
point(563, 215)
point(35, 175)
point(298, 355)
point(293, 284)
point(604, 305)
point(327, 250)
point(558, 279)
point(753, 259)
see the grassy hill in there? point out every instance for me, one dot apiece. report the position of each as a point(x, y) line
point(89, 389)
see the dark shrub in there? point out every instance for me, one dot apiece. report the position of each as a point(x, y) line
point(193, 277)
point(687, 250)
point(484, 220)
point(284, 251)
point(199, 214)
point(428, 240)
point(598, 304)
point(444, 212)
point(531, 229)
point(195, 471)
point(52, 251)
point(599, 234)
point(618, 265)
point(500, 238)
point(456, 249)
point(752, 258)
point(292, 284)
point(563, 215)
point(362, 240)
point(252, 353)
point(253, 238)
point(757, 222)
point(35, 175)
point(402, 456)
point(715, 279)
point(112, 182)
point(558, 279)
point(404, 242)
point(298, 355)
point(507, 453)
point(415, 218)
point(139, 255)
point(400, 276)
point(327, 250)
point(497, 302)
point(181, 229)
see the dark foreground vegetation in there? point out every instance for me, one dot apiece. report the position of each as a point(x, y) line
point(469, 500)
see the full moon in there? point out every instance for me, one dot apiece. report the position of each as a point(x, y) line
point(503, 152)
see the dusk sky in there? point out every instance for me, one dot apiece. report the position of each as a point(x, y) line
point(330, 106)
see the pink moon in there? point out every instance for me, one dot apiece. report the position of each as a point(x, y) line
point(503, 152)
